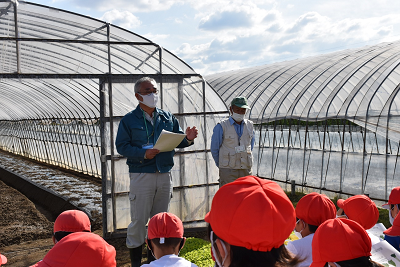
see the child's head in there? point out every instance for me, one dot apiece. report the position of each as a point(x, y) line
point(338, 240)
point(80, 249)
point(311, 211)
point(359, 208)
point(165, 234)
point(250, 220)
point(70, 221)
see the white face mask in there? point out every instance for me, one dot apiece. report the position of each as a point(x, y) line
point(218, 263)
point(237, 117)
point(391, 219)
point(296, 233)
point(149, 100)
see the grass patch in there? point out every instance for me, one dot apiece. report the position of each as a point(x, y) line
point(197, 251)
point(384, 217)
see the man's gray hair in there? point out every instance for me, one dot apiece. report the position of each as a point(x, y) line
point(140, 81)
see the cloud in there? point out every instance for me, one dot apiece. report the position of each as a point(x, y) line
point(321, 35)
point(156, 38)
point(192, 53)
point(124, 19)
point(241, 43)
point(225, 56)
point(305, 20)
point(234, 16)
point(178, 21)
point(144, 6)
point(274, 28)
point(307, 35)
point(225, 20)
point(385, 31)
point(270, 17)
point(221, 4)
point(354, 27)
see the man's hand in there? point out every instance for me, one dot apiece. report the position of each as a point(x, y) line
point(151, 153)
point(191, 133)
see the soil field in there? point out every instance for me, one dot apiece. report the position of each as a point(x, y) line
point(26, 228)
point(25, 233)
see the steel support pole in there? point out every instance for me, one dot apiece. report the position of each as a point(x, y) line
point(17, 44)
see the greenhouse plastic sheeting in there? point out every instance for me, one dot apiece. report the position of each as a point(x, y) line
point(329, 122)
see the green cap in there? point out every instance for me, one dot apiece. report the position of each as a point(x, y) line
point(240, 102)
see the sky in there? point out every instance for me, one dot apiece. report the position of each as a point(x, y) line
point(214, 36)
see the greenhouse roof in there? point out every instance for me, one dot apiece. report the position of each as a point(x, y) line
point(360, 85)
point(52, 61)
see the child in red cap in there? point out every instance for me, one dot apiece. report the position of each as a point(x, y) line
point(70, 221)
point(392, 235)
point(165, 240)
point(393, 204)
point(361, 209)
point(80, 249)
point(250, 219)
point(311, 211)
point(342, 243)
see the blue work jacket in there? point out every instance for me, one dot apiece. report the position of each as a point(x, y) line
point(132, 135)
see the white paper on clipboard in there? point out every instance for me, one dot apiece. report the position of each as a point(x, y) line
point(385, 254)
point(168, 141)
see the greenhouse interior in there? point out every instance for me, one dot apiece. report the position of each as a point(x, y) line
point(329, 122)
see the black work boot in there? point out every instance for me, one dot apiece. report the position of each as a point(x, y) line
point(136, 256)
point(150, 256)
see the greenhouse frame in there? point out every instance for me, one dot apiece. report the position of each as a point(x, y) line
point(330, 123)
point(66, 82)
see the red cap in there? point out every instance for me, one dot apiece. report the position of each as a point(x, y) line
point(315, 208)
point(72, 221)
point(165, 225)
point(361, 209)
point(339, 240)
point(394, 198)
point(253, 213)
point(80, 249)
point(3, 259)
point(395, 229)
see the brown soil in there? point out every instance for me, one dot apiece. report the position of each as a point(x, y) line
point(25, 233)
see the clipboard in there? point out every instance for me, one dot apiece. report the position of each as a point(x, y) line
point(168, 141)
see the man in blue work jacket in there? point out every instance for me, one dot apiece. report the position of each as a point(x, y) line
point(232, 143)
point(149, 169)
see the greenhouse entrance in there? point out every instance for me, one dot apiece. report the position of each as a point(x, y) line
point(193, 188)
